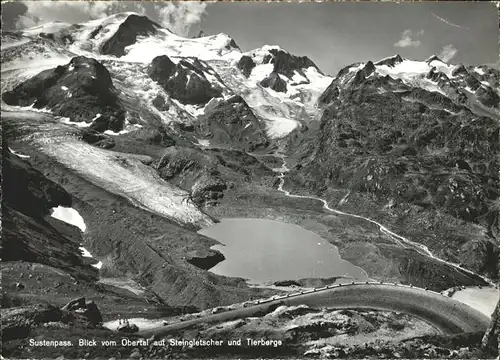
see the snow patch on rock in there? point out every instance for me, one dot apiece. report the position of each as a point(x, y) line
point(18, 154)
point(70, 216)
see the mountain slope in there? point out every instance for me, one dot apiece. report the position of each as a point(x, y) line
point(407, 144)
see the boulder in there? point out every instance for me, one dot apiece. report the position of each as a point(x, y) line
point(84, 310)
point(92, 312)
point(127, 328)
point(208, 189)
point(160, 103)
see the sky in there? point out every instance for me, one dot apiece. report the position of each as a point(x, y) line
point(333, 35)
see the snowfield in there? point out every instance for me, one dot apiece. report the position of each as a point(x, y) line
point(70, 216)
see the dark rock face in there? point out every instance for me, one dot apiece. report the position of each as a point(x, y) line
point(472, 82)
point(161, 69)
point(436, 76)
point(208, 261)
point(160, 103)
point(127, 34)
point(208, 190)
point(433, 58)
point(104, 122)
point(246, 65)
point(330, 94)
point(80, 90)
point(156, 136)
point(232, 122)
point(286, 63)
point(27, 198)
point(286, 283)
point(18, 322)
point(431, 99)
point(185, 81)
point(275, 82)
point(362, 74)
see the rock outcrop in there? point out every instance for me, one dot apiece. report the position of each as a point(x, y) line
point(87, 309)
point(275, 82)
point(286, 63)
point(391, 61)
point(18, 322)
point(246, 65)
point(207, 261)
point(208, 174)
point(27, 198)
point(81, 90)
point(388, 140)
point(127, 33)
point(185, 81)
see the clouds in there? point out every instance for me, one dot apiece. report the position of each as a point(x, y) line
point(179, 17)
point(406, 39)
point(447, 53)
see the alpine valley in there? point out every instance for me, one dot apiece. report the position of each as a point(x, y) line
point(122, 140)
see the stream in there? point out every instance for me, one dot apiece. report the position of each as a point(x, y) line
point(398, 239)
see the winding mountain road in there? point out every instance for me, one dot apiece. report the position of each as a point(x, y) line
point(445, 314)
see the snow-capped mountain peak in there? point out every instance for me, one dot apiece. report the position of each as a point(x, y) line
point(282, 90)
point(468, 86)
